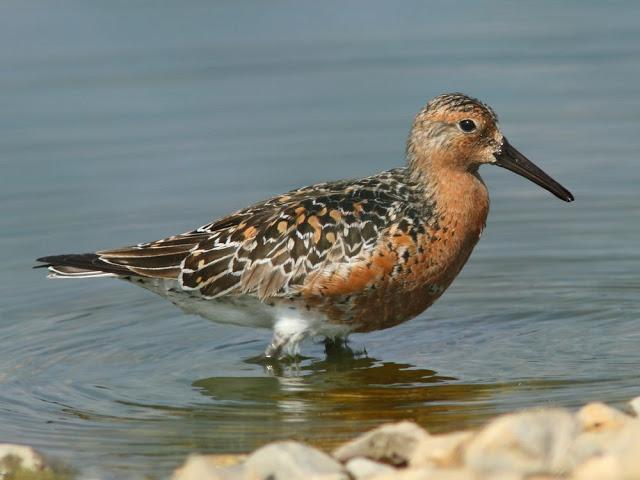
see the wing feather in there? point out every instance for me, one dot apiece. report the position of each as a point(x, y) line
point(269, 249)
point(277, 245)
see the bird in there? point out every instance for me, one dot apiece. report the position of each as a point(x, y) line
point(339, 257)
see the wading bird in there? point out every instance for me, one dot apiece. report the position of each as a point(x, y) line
point(338, 257)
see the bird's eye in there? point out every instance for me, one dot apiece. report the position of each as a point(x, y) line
point(467, 125)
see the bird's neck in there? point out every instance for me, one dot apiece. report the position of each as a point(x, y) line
point(460, 195)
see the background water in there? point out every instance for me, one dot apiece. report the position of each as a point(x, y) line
point(123, 122)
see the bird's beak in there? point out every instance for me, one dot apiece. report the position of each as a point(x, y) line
point(511, 159)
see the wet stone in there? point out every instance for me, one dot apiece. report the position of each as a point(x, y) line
point(427, 473)
point(18, 457)
point(292, 461)
point(635, 405)
point(599, 468)
point(626, 449)
point(591, 444)
point(393, 444)
point(597, 417)
point(204, 467)
point(443, 450)
point(364, 469)
point(530, 442)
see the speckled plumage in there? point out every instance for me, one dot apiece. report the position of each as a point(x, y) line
point(358, 255)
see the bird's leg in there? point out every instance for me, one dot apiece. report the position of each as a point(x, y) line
point(337, 346)
point(288, 333)
point(274, 350)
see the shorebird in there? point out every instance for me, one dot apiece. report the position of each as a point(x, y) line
point(337, 257)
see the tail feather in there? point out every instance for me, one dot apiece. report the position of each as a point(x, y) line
point(160, 259)
point(72, 272)
point(82, 265)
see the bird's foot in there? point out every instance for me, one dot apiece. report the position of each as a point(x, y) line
point(337, 346)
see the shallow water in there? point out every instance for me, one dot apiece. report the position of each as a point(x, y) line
point(123, 123)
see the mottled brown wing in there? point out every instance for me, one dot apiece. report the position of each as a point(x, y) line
point(271, 248)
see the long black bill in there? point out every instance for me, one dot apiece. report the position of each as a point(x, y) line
point(511, 159)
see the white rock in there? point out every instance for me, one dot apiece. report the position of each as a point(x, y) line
point(393, 444)
point(362, 468)
point(26, 457)
point(292, 461)
point(626, 449)
point(423, 473)
point(530, 442)
point(605, 467)
point(202, 467)
point(443, 450)
point(635, 405)
point(591, 444)
point(597, 417)
point(427, 473)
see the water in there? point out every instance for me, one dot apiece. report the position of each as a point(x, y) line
point(123, 122)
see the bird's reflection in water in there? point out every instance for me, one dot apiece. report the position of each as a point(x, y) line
point(344, 394)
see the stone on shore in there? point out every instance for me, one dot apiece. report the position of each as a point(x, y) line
point(276, 461)
point(208, 467)
point(361, 468)
point(443, 450)
point(292, 461)
point(18, 456)
point(427, 473)
point(394, 444)
point(598, 417)
point(20, 462)
point(530, 442)
point(605, 467)
point(597, 442)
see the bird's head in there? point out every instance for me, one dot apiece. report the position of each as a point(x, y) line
point(455, 132)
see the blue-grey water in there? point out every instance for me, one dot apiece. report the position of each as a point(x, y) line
point(123, 122)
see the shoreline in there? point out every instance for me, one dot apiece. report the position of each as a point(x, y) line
point(595, 442)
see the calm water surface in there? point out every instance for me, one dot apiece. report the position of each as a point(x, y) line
point(124, 122)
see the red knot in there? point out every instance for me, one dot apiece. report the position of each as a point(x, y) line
point(337, 257)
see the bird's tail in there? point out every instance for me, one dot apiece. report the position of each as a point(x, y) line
point(79, 265)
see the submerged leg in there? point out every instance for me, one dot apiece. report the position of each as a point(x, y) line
point(288, 333)
point(337, 347)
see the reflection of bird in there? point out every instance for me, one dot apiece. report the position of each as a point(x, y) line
point(339, 257)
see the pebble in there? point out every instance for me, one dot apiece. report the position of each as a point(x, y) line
point(363, 469)
point(20, 456)
point(444, 450)
point(605, 467)
point(598, 417)
point(530, 442)
point(393, 444)
point(203, 467)
point(426, 473)
point(626, 449)
point(292, 461)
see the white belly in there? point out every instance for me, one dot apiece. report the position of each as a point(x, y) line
point(246, 311)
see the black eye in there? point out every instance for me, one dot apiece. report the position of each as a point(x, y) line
point(467, 125)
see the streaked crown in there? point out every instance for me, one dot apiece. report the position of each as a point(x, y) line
point(459, 103)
